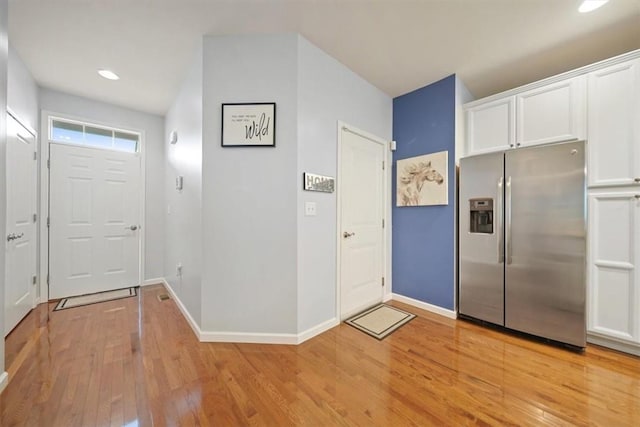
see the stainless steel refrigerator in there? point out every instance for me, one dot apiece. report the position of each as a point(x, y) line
point(522, 244)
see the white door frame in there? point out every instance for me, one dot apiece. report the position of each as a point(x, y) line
point(386, 212)
point(43, 208)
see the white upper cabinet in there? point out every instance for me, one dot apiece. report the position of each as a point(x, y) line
point(551, 113)
point(490, 126)
point(614, 125)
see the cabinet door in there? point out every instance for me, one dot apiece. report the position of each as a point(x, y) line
point(613, 288)
point(614, 125)
point(490, 126)
point(551, 113)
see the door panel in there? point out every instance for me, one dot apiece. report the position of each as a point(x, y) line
point(613, 285)
point(545, 288)
point(491, 126)
point(362, 210)
point(94, 201)
point(481, 293)
point(554, 112)
point(614, 128)
point(20, 291)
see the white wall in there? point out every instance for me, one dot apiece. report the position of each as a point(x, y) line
point(3, 180)
point(183, 223)
point(250, 193)
point(22, 91)
point(327, 92)
point(153, 128)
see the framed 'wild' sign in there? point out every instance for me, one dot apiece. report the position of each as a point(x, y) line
point(249, 124)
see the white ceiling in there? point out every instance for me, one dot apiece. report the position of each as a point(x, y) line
point(397, 45)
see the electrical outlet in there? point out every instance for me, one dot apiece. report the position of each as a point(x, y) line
point(310, 209)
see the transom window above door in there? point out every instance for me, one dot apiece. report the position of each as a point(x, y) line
point(91, 135)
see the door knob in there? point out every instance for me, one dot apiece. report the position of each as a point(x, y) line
point(346, 234)
point(14, 236)
point(131, 227)
point(637, 179)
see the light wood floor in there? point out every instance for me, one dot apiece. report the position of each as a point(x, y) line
point(136, 362)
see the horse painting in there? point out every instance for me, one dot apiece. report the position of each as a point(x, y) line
point(412, 176)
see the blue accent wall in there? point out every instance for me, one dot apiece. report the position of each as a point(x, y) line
point(423, 236)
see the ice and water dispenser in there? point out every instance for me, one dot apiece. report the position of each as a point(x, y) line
point(481, 212)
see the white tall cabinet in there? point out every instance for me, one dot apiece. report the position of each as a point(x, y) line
point(599, 103)
point(613, 295)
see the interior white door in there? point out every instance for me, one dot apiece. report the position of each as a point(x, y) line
point(362, 196)
point(21, 247)
point(94, 237)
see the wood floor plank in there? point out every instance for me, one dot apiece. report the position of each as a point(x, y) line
point(136, 362)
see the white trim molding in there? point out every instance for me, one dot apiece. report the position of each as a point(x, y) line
point(244, 337)
point(190, 320)
point(614, 344)
point(4, 380)
point(249, 338)
point(426, 306)
point(317, 330)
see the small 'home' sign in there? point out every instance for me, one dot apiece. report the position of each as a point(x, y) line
point(313, 182)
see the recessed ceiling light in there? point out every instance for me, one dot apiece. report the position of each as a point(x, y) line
point(589, 5)
point(108, 74)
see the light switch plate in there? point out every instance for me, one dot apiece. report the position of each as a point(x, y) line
point(310, 208)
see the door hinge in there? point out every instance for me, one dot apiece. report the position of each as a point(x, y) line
point(48, 222)
point(35, 155)
point(383, 165)
point(47, 280)
point(34, 280)
point(383, 281)
point(48, 163)
point(382, 222)
point(35, 217)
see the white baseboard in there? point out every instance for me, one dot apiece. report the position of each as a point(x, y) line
point(317, 330)
point(249, 338)
point(246, 337)
point(183, 309)
point(4, 380)
point(426, 306)
point(155, 281)
point(614, 344)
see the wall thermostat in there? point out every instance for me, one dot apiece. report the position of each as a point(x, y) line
point(173, 137)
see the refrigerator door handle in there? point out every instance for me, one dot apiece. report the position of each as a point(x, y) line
point(508, 219)
point(500, 222)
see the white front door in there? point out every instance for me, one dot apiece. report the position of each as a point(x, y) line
point(94, 215)
point(21, 247)
point(362, 197)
